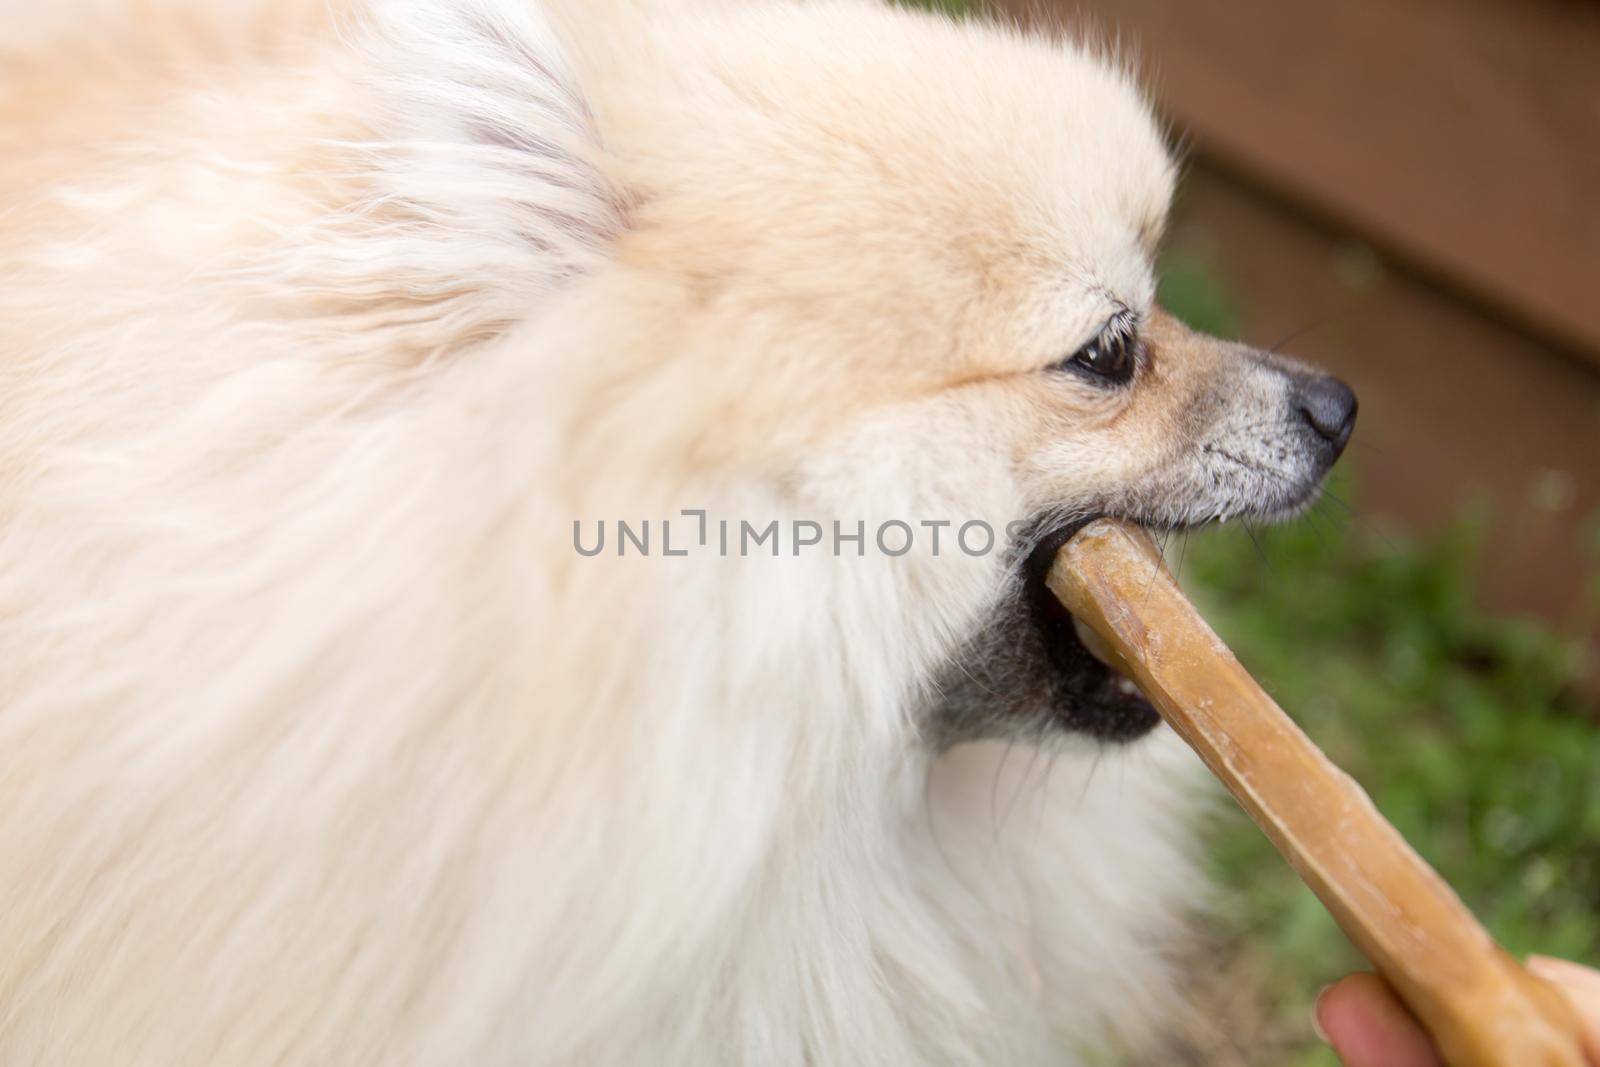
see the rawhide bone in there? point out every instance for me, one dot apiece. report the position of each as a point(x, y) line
point(1482, 1008)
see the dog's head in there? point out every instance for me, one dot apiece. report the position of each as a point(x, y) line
point(908, 267)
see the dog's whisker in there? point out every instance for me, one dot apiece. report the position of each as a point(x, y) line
point(1296, 334)
point(1250, 533)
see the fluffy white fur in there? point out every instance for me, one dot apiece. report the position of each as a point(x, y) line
point(319, 744)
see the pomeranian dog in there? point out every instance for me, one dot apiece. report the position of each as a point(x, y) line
point(472, 480)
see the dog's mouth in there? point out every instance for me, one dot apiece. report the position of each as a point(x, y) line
point(1093, 696)
point(1031, 666)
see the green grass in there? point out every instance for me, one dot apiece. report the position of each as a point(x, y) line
point(1467, 728)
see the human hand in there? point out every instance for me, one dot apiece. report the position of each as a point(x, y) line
point(1369, 1027)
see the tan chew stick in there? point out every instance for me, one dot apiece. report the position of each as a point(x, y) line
point(1481, 1007)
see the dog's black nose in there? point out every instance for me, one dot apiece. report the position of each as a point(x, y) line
point(1329, 406)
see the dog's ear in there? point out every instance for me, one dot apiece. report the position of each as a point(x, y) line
point(488, 182)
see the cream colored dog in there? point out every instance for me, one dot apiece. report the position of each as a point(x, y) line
point(331, 340)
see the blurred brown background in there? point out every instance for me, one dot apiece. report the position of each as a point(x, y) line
point(1406, 191)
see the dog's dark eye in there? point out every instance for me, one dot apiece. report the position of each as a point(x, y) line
point(1109, 356)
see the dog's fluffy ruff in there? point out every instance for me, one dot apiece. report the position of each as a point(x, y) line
point(320, 743)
